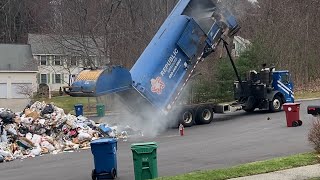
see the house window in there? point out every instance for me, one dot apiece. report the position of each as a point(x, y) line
point(43, 60)
point(73, 61)
point(43, 79)
point(57, 61)
point(57, 78)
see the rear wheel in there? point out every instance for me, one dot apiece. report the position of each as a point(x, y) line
point(204, 115)
point(186, 117)
point(93, 175)
point(114, 173)
point(275, 104)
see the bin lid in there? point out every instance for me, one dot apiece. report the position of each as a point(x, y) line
point(78, 105)
point(104, 141)
point(147, 147)
point(291, 104)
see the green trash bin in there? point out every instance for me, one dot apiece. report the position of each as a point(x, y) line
point(101, 110)
point(145, 160)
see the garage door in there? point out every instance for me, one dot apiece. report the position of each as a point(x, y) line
point(3, 90)
point(19, 91)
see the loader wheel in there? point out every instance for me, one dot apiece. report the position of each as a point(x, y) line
point(275, 104)
point(204, 115)
point(186, 117)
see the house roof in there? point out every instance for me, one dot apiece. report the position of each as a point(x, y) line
point(61, 44)
point(15, 57)
point(242, 41)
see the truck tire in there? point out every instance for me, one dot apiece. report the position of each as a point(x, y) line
point(113, 173)
point(204, 115)
point(186, 117)
point(93, 175)
point(276, 104)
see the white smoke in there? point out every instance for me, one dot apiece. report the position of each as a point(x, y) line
point(253, 1)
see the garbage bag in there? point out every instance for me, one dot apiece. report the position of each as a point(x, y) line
point(36, 151)
point(4, 137)
point(23, 130)
point(5, 153)
point(84, 136)
point(7, 117)
point(48, 109)
point(1, 159)
point(36, 139)
point(46, 144)
point(11, 130)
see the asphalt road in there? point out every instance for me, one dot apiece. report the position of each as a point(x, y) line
point(233, 139)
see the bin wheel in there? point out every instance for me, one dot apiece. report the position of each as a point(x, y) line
point(295, 124)
point(93, 175)
point(113, 173)
point(300, 122)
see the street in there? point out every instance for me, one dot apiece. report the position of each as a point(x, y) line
point(232, 139)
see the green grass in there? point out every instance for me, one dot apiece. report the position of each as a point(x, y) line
point(250, 168)
point(306, 95)
point(317, 178)
point(67, 103)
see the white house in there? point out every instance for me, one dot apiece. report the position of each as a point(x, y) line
point(18, 74)
point(61, 58)
point(240, 45)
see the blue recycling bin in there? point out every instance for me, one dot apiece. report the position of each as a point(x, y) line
point(78, 108)
point(104, 151)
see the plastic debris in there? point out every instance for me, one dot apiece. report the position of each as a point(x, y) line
point(44, 128)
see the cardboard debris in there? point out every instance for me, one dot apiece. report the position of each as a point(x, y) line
point(44, 128)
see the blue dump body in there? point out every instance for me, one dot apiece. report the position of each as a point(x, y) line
point(192, 31)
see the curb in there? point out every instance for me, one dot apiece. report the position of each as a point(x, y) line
point(307, 99)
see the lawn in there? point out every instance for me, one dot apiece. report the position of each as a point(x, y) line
point(306, 95)
point(251, 168)
point(67, 103)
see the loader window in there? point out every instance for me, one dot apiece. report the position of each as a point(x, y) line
point(285, 79)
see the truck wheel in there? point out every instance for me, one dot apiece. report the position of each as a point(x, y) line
point(93, 175)
point(186, 118)
point(276, 104)
point(113, 173)
point(204, 115)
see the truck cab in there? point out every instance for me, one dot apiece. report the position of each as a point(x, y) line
point(267, 90)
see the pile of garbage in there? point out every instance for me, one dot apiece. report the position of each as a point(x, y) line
point(44, 128)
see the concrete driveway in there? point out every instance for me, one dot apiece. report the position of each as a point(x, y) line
point(16, 105)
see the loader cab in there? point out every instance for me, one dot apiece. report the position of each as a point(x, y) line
point(281, 81)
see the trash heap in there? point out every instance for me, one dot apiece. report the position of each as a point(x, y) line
point(44, 128)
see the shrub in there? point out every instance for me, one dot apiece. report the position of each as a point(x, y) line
point(314, 135)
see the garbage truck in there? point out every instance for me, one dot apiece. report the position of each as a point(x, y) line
point(151, 88)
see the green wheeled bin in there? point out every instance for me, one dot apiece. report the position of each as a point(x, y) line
point(145, 160)
point(101, 110)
